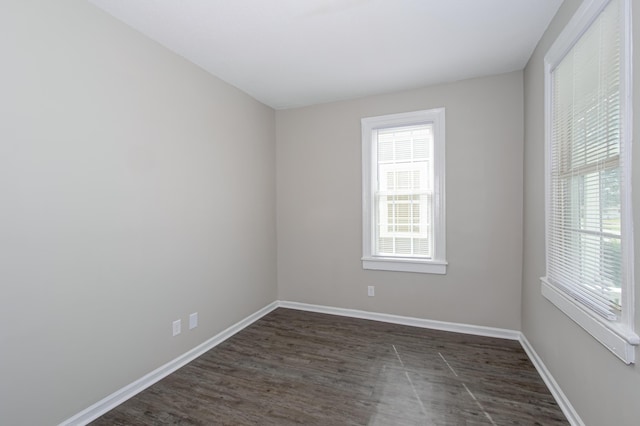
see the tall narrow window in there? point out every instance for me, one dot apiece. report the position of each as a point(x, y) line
point(589, 240)
point(403, 192)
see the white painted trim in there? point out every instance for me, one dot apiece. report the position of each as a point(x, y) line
point(404, 265)
point(477, 330)
point(628, 296)
point(582, 19)
point(563, 402)
point(561, 399)
point(615, 336)
point(118, 397)
point(103, 406)
point(437, 264)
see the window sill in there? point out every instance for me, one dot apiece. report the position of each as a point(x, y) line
point(405, 265)
point(618, 338)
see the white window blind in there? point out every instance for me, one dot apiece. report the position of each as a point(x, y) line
point(404, 196)
point(403, 208)
point(586, 172)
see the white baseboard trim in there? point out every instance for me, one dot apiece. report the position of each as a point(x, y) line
point(118, 397)
point(570, 413)
point(414, 322)
point(563, 402)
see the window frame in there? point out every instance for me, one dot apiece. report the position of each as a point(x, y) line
point(437, 263)
point(617, 335)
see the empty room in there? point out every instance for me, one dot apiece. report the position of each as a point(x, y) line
point(319, 212)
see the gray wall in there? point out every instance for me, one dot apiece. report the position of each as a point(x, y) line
point(601, 388)
point(120, 165)
point(135, 189)
point(319, 206)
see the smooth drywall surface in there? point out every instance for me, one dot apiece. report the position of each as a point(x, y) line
point(135, 189)
point(320, 206)
point(602, 389)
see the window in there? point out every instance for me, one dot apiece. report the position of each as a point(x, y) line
point(588, 142)
point(403, 192)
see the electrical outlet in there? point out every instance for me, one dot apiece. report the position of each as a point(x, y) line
point(193, 320)
point(371, 291)
point(177, 325)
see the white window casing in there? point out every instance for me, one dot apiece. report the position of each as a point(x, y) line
point(403, 208)
point(588, 136)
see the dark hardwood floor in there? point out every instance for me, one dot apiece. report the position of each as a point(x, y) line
point(294, 367)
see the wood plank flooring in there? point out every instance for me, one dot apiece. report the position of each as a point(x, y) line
point(295, 367)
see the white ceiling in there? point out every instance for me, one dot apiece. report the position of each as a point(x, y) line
point(290, 53)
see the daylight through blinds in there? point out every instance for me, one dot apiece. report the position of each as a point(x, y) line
point(404, 196)
point(585, 182)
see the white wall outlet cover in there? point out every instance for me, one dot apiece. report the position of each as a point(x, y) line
point(371, 290)
point(177, 325)
point(193, 320)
